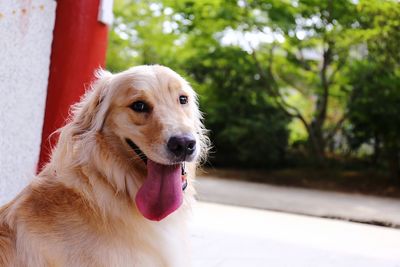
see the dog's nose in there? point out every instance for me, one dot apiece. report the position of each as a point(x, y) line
point(182, 145)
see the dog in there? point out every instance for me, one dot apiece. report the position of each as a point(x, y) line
point(118, 188)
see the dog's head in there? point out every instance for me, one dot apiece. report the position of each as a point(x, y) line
point(145, 118)
point(155, 109)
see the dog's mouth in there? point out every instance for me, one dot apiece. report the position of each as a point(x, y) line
point(161, 192)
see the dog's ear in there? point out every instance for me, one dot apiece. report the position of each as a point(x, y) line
point(89, 114)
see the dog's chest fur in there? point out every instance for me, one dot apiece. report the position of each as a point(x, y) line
point(96, 251)
point(144, 244)
point(147, 243)
point(56, 228)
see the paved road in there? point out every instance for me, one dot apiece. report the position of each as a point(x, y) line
point(300, 201)
point(228, 236)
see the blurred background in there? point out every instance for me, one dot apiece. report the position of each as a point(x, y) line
point(301, 99)
point(301, 92)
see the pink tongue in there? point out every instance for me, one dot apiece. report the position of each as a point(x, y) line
point(161, 193)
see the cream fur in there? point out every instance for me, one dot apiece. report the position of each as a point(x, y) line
point(80, 210)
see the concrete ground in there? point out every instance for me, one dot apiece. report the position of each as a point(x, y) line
point(353, 207)
point(255, 235)
point(229, 236)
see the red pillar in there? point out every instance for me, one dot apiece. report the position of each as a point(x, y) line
point(78, 48)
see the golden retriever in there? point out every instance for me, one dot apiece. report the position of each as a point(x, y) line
point(112, 193)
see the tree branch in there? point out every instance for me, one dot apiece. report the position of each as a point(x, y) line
point(288, 109)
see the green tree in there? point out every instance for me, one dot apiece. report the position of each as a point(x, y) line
point(245, 128)
point(294, 28)
point(375, 113)
point(247, 131)
point(308, 65)
point(257, 61)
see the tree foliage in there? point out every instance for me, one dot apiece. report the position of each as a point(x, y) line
point(323, 72)
point(375, 112)
point(246, 129)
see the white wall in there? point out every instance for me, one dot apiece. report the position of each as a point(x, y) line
point(26, 30)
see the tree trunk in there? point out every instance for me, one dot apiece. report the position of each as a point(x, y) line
point(394, 164)
point(316, 135)
point(317, 143)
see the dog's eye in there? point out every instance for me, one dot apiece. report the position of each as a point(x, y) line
point(140, 106)
point(183, 99)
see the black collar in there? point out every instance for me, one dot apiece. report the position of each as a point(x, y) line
point(143, 157)
point(137, 150)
